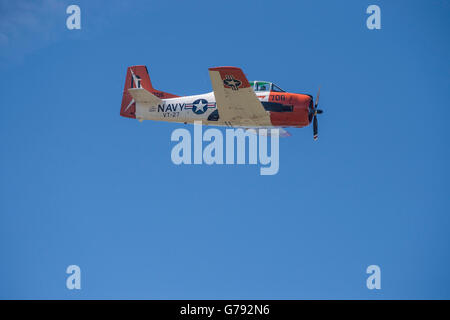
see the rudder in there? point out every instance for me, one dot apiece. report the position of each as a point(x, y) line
point(138, 77)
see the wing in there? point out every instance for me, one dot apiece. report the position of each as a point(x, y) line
point(266, 131)
point(236, 101)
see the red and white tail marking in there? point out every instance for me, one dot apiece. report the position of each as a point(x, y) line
point(138, 77)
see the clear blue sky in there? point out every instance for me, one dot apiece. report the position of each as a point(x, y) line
point(82, 185)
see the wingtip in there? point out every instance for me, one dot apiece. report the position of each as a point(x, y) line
point(223, 68)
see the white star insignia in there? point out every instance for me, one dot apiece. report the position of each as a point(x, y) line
point(200, 105)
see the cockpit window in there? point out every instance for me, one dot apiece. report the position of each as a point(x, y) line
point(262, 86)
point(265, 86)
point(275, 88)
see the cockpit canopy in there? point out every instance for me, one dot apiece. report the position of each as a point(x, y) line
point(265, 86)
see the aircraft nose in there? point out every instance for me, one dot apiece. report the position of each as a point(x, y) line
point(310, 108)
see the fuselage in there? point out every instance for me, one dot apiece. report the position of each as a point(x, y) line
point(285, 109)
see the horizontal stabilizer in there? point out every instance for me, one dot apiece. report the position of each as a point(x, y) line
point(141, 95)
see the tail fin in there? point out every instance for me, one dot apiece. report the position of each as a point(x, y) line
point(137, 77)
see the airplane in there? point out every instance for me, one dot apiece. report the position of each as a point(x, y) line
point(234, 102)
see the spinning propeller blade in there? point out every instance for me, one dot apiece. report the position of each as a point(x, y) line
point(314, 112)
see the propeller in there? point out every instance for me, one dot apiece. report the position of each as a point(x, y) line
point(313, 114)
